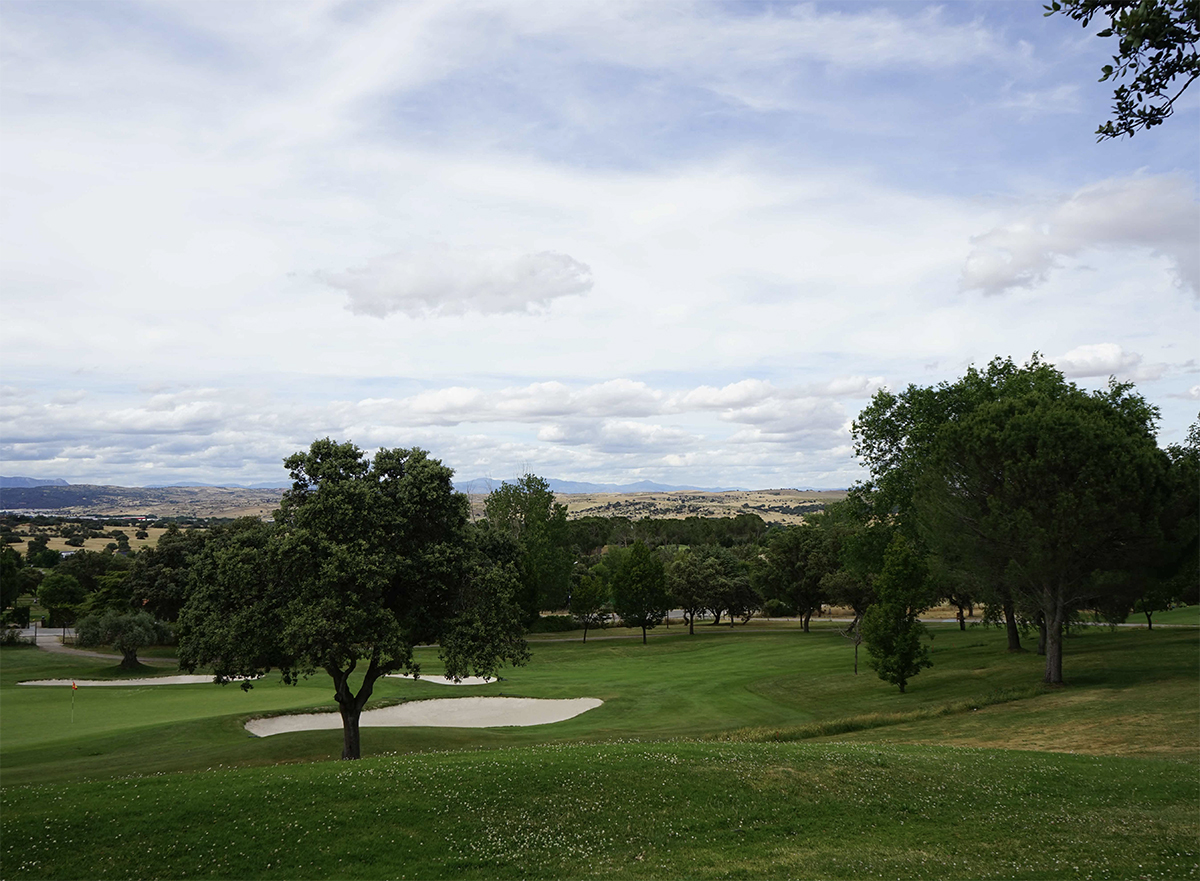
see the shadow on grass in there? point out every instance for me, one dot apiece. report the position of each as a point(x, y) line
point(867, 721)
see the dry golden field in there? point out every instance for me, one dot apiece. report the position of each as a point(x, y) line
point(772, 505)
point(785, 506)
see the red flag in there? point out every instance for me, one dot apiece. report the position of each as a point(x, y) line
point(74, 687)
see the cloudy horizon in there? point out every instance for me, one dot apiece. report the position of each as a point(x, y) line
point(601, 242)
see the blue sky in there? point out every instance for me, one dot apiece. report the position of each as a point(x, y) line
point(605, 241)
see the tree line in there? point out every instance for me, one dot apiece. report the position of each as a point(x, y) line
point(1009, 489)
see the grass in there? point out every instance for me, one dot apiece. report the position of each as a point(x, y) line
point(694, 810)
point(712, 756)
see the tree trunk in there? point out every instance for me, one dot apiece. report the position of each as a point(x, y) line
point(585, 633)
point(1010, 624)
point(1053, 628)
point(643, 634)
point(1149, 622)
point(350, 705)
point(962, 620)
point(129, 660)
point(691, 624)
point(807, 618)
point(351, 743)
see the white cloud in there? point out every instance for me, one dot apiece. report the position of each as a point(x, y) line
point(446, 281)
point(1107, 359)
point(1155, 213)
point(1101, 359)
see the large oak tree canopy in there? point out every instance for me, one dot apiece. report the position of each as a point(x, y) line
point(368, 558)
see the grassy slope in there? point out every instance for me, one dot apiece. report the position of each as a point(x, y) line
point(625, 810)
point(554, 804)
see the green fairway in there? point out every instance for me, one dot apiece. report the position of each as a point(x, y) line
point(625, 810)
point(699, 732)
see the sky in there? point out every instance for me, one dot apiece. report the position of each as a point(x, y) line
point(599, 241)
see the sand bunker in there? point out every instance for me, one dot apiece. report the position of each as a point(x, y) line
point(193, 679)
point(465, 712)
point(442, 680)
point(157, 680)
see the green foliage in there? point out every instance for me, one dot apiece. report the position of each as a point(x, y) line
point(640, 596)
point(526, 510)
point(554, 624)
point(1156, 50)
point(62, 594)
point(589, 599)
point(159, 578)
point(796, 561)
point(10, 569)
point(891, 630)
point(1046, 485)
point(728, 589)
point(125, 631)
point(41, 556)
point(370, 558)
point(690, 577)
point(90, 566)
point(777, 609)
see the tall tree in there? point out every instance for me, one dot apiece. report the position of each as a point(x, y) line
point(1047, 485)
point(1156, 48)
point(689, 577)
point(796, 561)
point(158, 581)
point(370, 557)
point(528, 512)
point(891, 629)
point(640, 589)
point(10, 570)
point(588, 599)
point(896, 434)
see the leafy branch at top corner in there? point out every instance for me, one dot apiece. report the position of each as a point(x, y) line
point(1157, 48)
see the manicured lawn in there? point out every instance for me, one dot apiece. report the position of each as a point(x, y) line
point(753, 752)
point(665, 810)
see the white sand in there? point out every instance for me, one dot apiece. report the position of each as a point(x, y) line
point(466, 712)
point(194, 679)
point(442, 680)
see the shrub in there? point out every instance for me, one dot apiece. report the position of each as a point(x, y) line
point(777, 609)
point(553, 624)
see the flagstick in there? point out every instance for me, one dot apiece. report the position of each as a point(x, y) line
point(72, 703)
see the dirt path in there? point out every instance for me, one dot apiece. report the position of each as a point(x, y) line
point(48, 643)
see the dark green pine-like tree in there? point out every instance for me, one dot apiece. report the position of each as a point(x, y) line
point(891, 630)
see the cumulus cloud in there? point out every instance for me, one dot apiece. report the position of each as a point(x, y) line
point(1101, 359)
point(1155, 213)
point(446, 281)
point(1107, 359)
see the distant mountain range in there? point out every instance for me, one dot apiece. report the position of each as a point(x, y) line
point(478, 485)
point(26, 482)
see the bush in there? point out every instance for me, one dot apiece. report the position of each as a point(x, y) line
point(777, 609)
point(553, 624)
point(12, 636)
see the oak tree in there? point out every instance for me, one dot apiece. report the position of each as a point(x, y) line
point(369, 557)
